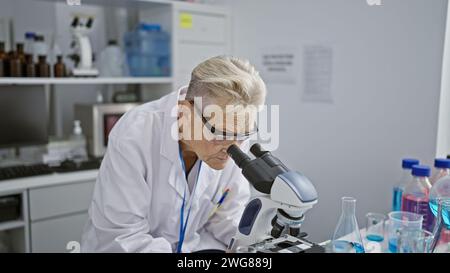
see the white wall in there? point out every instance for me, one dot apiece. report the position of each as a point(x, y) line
point(443, 141)
point(386, 84)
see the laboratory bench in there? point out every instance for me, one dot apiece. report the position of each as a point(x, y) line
point(51, 210)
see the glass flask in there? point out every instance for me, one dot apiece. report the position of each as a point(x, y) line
point(440, 207)
point(346, 237)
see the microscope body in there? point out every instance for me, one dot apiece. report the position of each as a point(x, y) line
point(280, 198)
point(80, 29)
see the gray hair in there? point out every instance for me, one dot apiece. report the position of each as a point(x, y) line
point(228, 80)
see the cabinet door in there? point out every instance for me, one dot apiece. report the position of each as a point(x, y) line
point(60, 200)
point(53, 235)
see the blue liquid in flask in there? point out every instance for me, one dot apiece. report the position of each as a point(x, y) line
point(445, 212)
point(375, 238)
point(342, 246)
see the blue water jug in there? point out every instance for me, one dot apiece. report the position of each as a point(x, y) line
point(148, 51)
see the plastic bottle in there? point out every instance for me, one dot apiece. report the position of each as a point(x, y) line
point(29, 42)
point(78, 153)
point(112, 61)
point(346, 236)
point(406, 177)
point(148, 51)
point(40, 48)
point(442, 167)
point(416, 195)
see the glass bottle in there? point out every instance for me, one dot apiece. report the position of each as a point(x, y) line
point(346, 236)
point(59, 68)
point(416, 195)
point(42, 67)
point(406, 177)
point(442, 166)
point(29, 68)
point(2, 59)
point(16, 61)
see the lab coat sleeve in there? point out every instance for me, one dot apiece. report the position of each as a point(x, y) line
point(119, 212)
point(223, 224)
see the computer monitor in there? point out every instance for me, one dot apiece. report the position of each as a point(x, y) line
point(24, 116)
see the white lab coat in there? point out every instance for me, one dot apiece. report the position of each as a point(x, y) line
point(139, 190)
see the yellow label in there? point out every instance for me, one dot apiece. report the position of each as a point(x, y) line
point(185, 20)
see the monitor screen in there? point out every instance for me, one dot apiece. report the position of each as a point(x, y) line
point(23, 116)
point(109, 122)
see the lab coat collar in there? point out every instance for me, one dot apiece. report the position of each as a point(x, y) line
point(169, 143)
point(170, 150)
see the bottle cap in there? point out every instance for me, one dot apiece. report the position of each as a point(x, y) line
point(407, 163)
point(421, 170)
point(442, 163)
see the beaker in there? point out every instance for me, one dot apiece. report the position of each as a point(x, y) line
point(375, 227)
point(412, 240)
point(399, 220)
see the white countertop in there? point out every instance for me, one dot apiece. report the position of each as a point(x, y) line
point(20, 184)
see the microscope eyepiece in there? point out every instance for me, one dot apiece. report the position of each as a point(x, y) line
point(239, 157)
point(257, 150)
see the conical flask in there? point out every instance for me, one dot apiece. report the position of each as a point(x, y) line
point(346, 237)
point(441, 232)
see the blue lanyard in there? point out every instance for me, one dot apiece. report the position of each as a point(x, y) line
point(183, 224)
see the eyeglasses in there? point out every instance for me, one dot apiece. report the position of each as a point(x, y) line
point(223, 135)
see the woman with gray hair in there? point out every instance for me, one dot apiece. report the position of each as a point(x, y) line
point(166, 183)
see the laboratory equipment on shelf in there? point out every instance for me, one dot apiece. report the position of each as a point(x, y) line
point(148, 51)
point(375, 227)
point(112, 61)
point(442, 168)
point(80, 27)
point(59, 68)
point(440, 195)
point(346, 236)
point(416, 195)
point(406, 177)
point(399, 220)
point(273, 217)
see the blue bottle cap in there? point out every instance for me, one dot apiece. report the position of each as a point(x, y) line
point(149, 27)
point(407, 163)
point(30, 35)
point(421, 170)
point(442, 163)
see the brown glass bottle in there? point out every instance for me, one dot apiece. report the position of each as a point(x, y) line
point(59, 68)
point(17, 61)
point(2, 59)
point(42, 67)
point(29, 67)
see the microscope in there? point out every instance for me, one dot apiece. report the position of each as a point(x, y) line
point(80, 27)
point(273, 217)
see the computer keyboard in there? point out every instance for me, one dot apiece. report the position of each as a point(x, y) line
point(24, 171)
point(41, 169)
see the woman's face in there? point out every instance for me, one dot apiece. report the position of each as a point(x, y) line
point(208, 147)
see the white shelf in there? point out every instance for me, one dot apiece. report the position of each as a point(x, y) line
point(74, 81)
point(11, 225)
